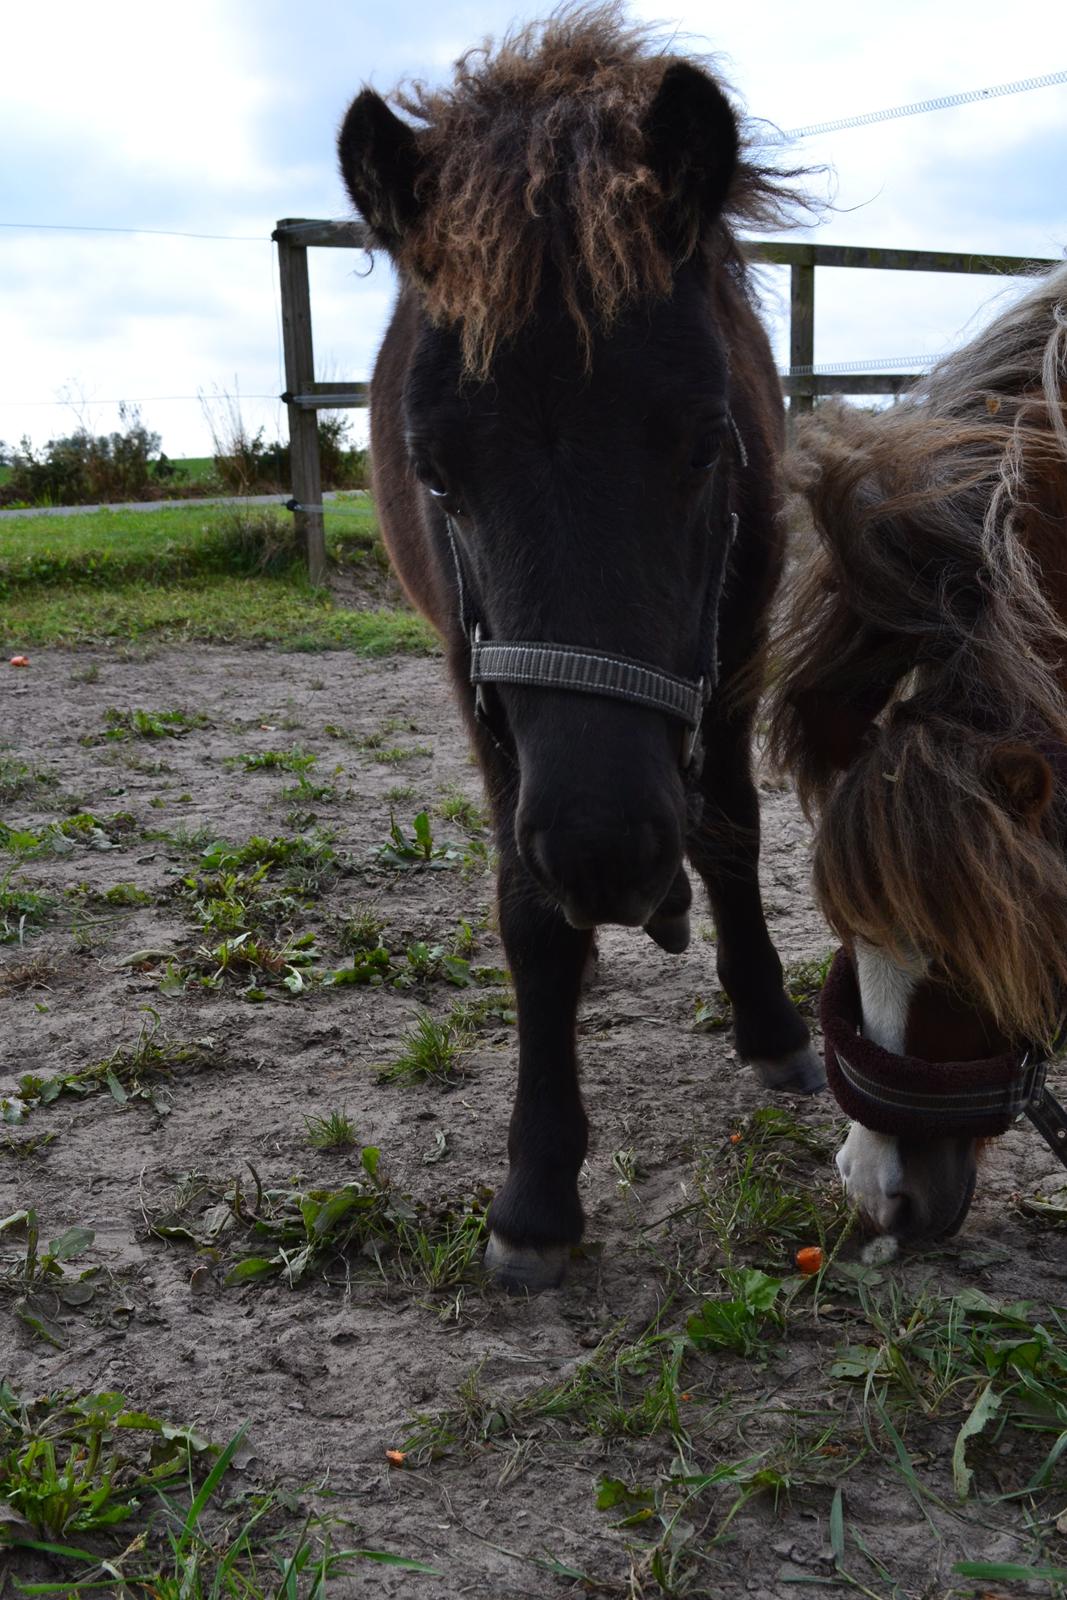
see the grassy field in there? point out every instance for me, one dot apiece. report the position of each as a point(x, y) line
point(193, 573)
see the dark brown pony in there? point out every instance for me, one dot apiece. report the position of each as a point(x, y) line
point(575, 426)
point(922, 704)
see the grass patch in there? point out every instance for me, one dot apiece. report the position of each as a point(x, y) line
point(80, 1467)
point(23, 911)
point(135, 1072)
point(294, 760)
point(433, 1052)
point(219, 574)
point(108, 549)
point(334, 1131)
point(77, 1465)
point(137, 724)
point(19, 779)
point(294, 1234)
point(284, 611)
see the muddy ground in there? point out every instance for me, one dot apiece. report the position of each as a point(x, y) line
point(330, 1374)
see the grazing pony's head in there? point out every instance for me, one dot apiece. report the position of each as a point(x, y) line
point(922, 703)
point(563, 371)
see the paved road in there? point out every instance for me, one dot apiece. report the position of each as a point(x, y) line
point(165, 505)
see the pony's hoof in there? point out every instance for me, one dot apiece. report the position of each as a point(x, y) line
point(517, 1269)
point(800, 1072)
point(671, 933)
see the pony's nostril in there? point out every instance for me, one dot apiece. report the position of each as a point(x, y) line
point(898, 1214)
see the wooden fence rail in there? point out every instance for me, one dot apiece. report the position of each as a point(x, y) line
point(304, 397)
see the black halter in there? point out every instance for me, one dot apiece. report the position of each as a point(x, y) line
point(599, 672)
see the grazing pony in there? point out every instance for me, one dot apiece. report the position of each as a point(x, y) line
point(922, 705)
point(575, 429)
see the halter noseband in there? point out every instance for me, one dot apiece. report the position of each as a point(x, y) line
point(599, 672)
point(904, 1095)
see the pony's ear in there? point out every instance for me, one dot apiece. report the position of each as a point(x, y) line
point(692, 141)
point(1022, 781)
point(379, 162)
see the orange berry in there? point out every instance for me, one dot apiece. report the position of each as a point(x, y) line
point(735, 1138)
point(396, 1457)
point(809, 1260)
point(20, 661)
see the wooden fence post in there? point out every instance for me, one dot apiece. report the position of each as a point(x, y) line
point(303, 424)
point(801, 336)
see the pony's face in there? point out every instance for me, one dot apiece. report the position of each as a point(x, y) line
point(577, 456)
point(939, 861)
point(914, 1188)
point(588, 511)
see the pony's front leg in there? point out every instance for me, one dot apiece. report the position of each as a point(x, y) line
point(536, 1216)
point(769, 1034)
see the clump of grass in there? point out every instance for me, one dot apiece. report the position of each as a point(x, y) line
point(22, 975)
point(138, 724)
point(362, 929)
point(766, 1192)
point(294, 760)
point(19, 779)
point(130, 1072)
point(454, 806)
point(433, 1052)
point(296, 1234)
point(23, 911)
point(77, 1465)
point(334, 1131)
point(254, 962)
point(804, 981)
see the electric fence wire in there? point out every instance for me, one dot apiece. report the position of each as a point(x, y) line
point(917, 107)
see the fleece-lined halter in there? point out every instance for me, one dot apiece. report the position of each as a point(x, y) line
point(599, 672)
point(905, 1095)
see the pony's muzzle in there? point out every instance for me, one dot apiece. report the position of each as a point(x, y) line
point(598, 876)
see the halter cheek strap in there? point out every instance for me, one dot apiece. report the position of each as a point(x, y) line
point(904, 1095)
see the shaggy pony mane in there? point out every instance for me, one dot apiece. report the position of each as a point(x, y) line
point(923, 661)
point(535, 157)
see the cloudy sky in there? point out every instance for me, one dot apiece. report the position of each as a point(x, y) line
point(219, 118)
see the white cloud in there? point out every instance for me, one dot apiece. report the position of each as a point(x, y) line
point(220, 117)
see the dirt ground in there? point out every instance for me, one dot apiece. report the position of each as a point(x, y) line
point(329, 1375)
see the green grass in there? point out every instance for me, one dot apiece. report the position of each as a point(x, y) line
point(283, 611)
point(218, 574)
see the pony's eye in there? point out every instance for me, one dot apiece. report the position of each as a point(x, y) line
point(428, 475)
point(705, 455)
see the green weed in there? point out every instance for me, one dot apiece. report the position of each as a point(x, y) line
point(137, 724)
point(454, 806)
point(19, 778)
point(36, 1279)
point(417, 849)
point(136, 1072)
point(362, 929)
point(334, 1131)
point(22, 910)
point(76, 1465)
point(804, 981)
point(293, 1234)
point(294, 760)
point(433, 1052)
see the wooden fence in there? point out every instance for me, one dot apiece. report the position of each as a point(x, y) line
point(802, 383)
